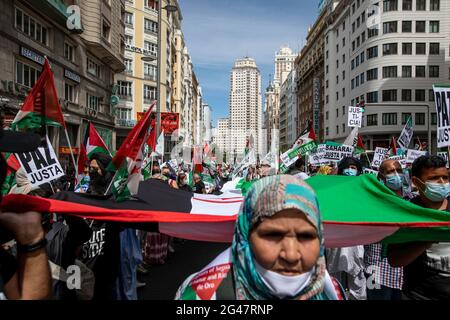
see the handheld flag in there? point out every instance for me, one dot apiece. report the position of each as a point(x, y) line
point(41, 106)
point(128, 160)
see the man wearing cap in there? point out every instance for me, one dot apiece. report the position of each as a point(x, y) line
point(28, 276)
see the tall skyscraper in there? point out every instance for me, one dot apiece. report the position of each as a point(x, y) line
point(245, 106)
point(284, 64)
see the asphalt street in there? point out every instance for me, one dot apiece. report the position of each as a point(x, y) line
point(189, 257)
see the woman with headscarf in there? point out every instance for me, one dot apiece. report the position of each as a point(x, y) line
point(277, 250)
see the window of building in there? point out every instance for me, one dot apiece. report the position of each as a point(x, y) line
point(326, 68)
point(326, 84)
point(343, 42)
point(434, 26)
point(433, 118)
point(129, 65)
point(389, 119)
point(434, 72)
point(124, 114)
point(343, 92)
point(353, 27)
point(363, 37)
point(337, 48)
point(150, 71)
point(69, 52)
point(421, 48)
point(420, 119)
point(372, 120)
point(129, 40)
point(405, 118)
point(357, 61)
point(337, 129)
point(353, 64)
point(343, 58)
point(420, 95)
point(372, 32)
point(390, 27)
point(343, 128)
point(31, 27)
point(149, 93)
point(362, 55)
point(150, 26)
point(337, 79)
point(372, 97)
point(434, 48)
point(326, 115)
point(327, 131)
point(106, 30)
point(93, 102)
point(363, 17)
point(372, 74)
point(353, 84)
point(70, 92)
point(406, 71)
point(353, 45)
point(93, 68)
point(372, 52)
point(337, 63)
point(343, 110)
point(358, 22)
point(151, 4)
point(407, 5)
point(390, 95)
point(420, 26)
point(337, 95)
point(435, 5)
point(406, 26)
point(125, 88)
point(152, 47)
point(326, 54)
point(129, 19)
point(390, 5)
point(407, 48)
point(26, 75)
point(390, 72)
point(431, 95)
point(390, 48)
point(420, 71)
point(421, 5)
point(406, 95)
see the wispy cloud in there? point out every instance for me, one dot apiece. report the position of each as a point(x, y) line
point(218, 32)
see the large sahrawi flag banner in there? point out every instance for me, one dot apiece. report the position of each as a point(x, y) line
point(355, 211)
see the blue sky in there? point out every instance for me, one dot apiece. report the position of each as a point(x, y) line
point(217, 32)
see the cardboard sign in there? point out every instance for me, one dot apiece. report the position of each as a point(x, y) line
point(379, 156)
point(41, 166)
point(442, 101)
point(355, 115)
point(400, 159)
point(337, 153)
point(406, 136)
point(444, 155)
point(206, 283)
point(414, 154)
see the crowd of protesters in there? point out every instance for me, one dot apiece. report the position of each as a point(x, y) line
point(277, 251)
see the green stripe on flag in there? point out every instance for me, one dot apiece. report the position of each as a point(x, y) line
point(32, 121)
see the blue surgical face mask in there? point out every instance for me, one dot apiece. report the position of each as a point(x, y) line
point(436, 192)
point(395, 181)
point(350, 172)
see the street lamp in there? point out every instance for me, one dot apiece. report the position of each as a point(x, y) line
point(169, 8)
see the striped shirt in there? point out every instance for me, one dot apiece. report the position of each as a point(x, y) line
point(380, 269)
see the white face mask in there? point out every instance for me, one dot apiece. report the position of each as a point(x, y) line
point(283, 286)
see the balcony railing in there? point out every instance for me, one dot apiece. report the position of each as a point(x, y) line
point(125, 123)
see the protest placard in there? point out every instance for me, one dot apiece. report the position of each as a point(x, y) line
point(355, 117)
point(337, 152)
point(414, 154)
point(442, 101)
point(400, 159)
point(407, 133)
point(41, 166)
point(379, 156)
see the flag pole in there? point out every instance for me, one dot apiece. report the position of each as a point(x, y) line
point(71, 151)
